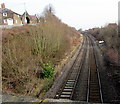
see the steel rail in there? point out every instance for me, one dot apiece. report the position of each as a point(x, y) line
point(88, 76)
point(64, 84)
point(98, 74)
point(79, 71)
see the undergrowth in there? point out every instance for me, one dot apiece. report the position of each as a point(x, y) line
point(27, 51)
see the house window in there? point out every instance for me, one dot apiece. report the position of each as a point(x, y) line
point(4, 14)
point(5, 20)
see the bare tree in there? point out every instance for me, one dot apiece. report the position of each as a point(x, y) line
point(49, 9)
point(38, 17)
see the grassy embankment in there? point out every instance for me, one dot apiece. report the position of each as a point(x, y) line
point(31, 55)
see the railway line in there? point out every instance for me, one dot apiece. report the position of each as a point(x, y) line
point(83, 81)
point(67, 89)
point(94, 93)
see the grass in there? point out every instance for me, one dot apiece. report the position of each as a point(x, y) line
point(26, 49)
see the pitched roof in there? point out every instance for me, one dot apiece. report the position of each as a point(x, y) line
point(32, 17)
point(5, 10)
point(26, 13)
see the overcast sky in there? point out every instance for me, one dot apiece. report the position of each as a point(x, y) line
point(83, 14)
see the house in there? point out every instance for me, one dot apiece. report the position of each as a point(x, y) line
point(112, 25)
point(34, 19)
point(8, 17)
point(28, 19)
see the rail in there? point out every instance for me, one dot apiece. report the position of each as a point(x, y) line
point(98, 74)
point(67, 89)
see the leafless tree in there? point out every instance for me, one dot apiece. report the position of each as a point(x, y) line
point(49, 9)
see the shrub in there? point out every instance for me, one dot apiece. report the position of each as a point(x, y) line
point(26, 48)
point(48, 71)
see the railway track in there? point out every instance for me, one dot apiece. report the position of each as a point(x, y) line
point(67, 89)
point(94, 93)
point(91, 83)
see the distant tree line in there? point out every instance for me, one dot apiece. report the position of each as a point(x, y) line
point(108, 34)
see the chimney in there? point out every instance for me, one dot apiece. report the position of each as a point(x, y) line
point(2, 5)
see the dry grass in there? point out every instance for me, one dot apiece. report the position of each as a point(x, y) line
point(27, 48)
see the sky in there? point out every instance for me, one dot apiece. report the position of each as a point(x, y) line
point(83, 14)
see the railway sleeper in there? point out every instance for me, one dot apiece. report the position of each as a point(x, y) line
point(66, 93)
point(94, 97)
point(69, 84)
point(67, 89)
point(93, 75)
point(94, 82)
point(71, 80)
point(72, 77)
point(93, 78)
point(95, 100)
point(65, 96)
point(94, 94)
point(94, 91)
point(94, 87)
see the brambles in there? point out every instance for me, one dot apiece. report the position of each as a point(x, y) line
point(26, 49)
point(48, 71)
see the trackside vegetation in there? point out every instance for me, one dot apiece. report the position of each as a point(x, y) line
point(48, 71)
point(111, 45)
point(31, 54)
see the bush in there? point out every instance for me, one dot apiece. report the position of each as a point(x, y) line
point(109, 34)
point(25, 49)
point(48, 71)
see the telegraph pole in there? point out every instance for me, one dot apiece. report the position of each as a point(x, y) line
point(25, 14)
